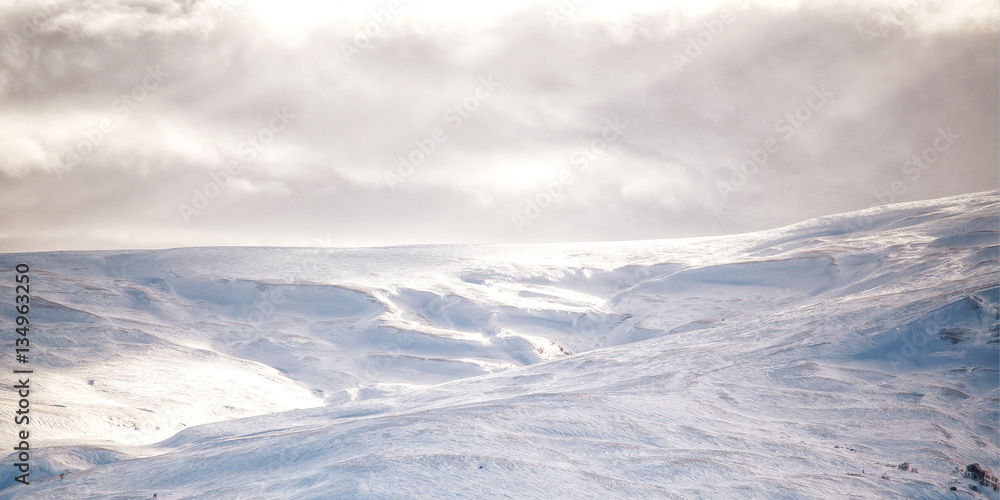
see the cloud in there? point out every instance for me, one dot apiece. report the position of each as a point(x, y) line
point(422, 122)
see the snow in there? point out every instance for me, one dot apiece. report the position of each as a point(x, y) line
point(776, 364)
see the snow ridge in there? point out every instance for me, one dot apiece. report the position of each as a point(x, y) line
point(774, 364)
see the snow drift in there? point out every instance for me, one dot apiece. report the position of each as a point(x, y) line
point(807, 361)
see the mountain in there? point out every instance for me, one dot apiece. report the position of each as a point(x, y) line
point(809, 361)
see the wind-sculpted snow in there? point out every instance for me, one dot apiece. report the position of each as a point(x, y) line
point(802, 362)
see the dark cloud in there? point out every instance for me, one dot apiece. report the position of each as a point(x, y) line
point(650, 111)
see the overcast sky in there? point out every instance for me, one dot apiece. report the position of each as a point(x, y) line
point(150, 124)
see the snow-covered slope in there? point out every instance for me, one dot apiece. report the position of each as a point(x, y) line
point(806, 361)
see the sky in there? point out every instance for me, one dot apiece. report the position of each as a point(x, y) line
point(157, 124)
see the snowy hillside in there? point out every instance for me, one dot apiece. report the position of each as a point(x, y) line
point(801, 362)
